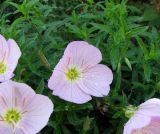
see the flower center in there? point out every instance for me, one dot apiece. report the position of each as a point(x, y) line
point(72, 74)
point(3, 68)
point(12, 116)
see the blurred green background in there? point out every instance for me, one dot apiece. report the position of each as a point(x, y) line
point(126, 32)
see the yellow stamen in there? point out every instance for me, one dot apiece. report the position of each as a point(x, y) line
point(12, 116)
point(3, 68)
point(72, 74)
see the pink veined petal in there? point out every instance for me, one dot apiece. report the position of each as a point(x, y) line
point(136, 122)
point(13, 94)
point(82, 54)
point(22, 94)
point(152, 128)
point(72, 93)
point(14, 55)
point(5, 96)
point(4, 51)
point(96, 81)
point(36, 114)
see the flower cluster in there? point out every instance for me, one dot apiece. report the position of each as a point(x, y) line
point(22, 111)
point(78, 76)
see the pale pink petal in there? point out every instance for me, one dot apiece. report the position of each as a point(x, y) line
point(128, 128)
point(6, 76)
point(71, 92)
point(3, 49)
point(14, 54)
point(22, 94)
point(137, 121)
point(83, 54)
point(19, 131)
point(5, 96)
point(13, 94)
point(150, 108)
point(57, 80)
point(9, 55)
point(144, 117)
point(5, 128)
point(152, 128)
point(96, 81)
point(36, 114)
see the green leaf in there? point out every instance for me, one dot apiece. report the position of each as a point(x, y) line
point(114, 56)
point(40, 87)
point(65, 130)
point(86, 125)
point(150, 14)
point(101, 27)
point(137, 31)
point(128, 63)
point(147, 71)
point(73, 119)
point(143, 48)
point(117, 114)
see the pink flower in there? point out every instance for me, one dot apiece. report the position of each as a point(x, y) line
point(146, 119)
point(22, 111)
point(78, 75)
point(9, 55)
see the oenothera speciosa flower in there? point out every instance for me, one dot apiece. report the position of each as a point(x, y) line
point(78, 76)
point(22, 111)
point(9, 55)
point(145, 119)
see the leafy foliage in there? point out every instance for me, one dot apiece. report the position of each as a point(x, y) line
point(127, 35)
